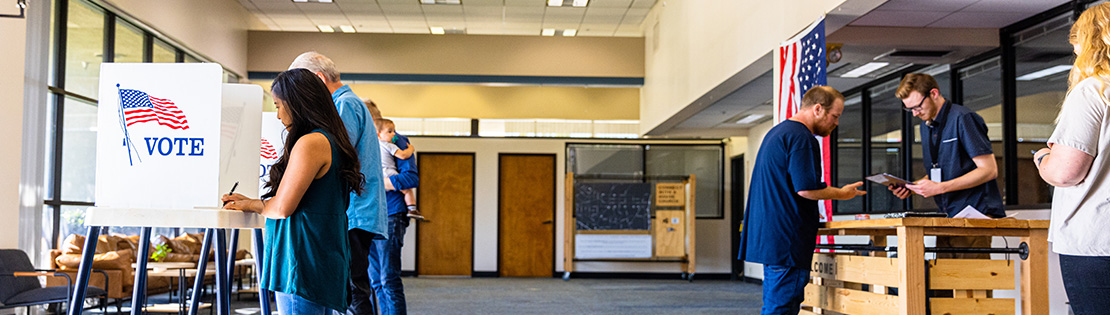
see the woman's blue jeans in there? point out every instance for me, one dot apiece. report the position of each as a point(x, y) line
point(289, 304)
point(1087, 283)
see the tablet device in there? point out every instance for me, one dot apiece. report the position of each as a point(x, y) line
point(887, 180)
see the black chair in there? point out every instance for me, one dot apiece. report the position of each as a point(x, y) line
point(19, 285)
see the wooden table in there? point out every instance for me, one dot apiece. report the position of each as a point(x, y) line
point(214, 221)
point(838, 278)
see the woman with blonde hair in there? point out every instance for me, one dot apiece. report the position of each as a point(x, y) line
point(1077, 164)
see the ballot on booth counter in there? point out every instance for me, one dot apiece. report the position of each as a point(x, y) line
point(970, 212)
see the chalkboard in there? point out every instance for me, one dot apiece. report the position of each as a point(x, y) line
point(612, 206)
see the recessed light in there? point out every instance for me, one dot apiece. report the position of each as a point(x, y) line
point(300, 0)
point(440, 1)
point(324, 1)
point(750, 119)
point(1044, 72)
point(570, 32)
point(554, 3)
point(325, 28)
point(864, 69)
point(347, 28)
point(437, 30)
point(548, 32)
point(580, 3)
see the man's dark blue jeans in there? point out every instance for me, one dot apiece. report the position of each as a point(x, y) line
point(1087, 283)
point(783, 289)
point(386, 280)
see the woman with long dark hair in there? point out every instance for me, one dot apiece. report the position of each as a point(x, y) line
point(307, 253)
point(1077, 162)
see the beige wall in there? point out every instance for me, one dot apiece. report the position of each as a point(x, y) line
point(214, 28)
point(453, 54)
point(11, 125)
point(687, 54)
point(714, 248)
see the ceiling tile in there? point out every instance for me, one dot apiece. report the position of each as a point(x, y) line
point(359, 7)
point(1024, 6)
point(483, 12)
point(931, 5)
point(469, 3)
point(899, 18)
point(324, 8)
point(411, 30)
point(980, 20)
point(374, 29)
point(392, 2)
point(643, 4)
point(610, 4)
point(526, 3)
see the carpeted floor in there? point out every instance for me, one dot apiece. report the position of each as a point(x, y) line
point(555, 296)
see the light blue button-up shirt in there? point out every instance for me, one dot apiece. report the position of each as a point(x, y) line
point(366, 211)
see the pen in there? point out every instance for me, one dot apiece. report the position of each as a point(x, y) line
point(236, 185)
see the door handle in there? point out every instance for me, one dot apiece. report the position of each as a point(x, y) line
point(548, 222)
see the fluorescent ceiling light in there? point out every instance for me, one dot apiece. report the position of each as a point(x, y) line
point(548, 32)
point(580, 3)
point(323, 1)
point(554, 3)
point(864, 69)
point(427, 1)
point(438, 30)
point(347, 28)
point(751, 119)
point(300, 0)
point(325, 28)
point(1044, 72)
point(570, 32)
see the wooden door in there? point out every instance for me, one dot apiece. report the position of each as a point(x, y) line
point(445, 244)
point(527, 215)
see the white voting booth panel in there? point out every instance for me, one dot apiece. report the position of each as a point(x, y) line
point(173, 136)
point(273, 142)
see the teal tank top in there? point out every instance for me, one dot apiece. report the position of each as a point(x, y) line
point(307, 254)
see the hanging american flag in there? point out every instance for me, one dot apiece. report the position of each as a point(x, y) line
point(268, 151)
point(802, 66)
point(139, 107)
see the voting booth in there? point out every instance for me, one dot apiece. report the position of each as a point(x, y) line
point(171, 139)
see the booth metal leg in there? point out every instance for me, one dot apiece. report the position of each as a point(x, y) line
point(138, 296)
point(263, 294)
point(223, 297)
point(233, 247)
point(77, 300)
point(198, 282)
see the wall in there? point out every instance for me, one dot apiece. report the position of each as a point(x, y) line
point(713, 242)
point(12, 55)
point(688, 54)
point(214, 28)
point(454, 54)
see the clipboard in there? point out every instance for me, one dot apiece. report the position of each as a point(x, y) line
point(887, 180)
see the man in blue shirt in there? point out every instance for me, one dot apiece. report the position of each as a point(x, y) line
point(957, 155)
point(366, 214)
point(780, 224)
point(387, 279)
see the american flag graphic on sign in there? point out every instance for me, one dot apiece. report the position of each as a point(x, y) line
point(138, 107)
point(801, 67)
point(268, 151)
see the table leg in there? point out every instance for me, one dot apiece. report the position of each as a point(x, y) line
point(233, 246)
point(911, 262)
point(223, 298)
point(1034, 274)
point(77, 300)
point(263, 295)
point(138, 297)
point(198, 281)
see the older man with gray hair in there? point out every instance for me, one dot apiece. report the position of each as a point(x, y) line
point(366, 214)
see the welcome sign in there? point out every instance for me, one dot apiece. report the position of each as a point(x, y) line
point(159, 135)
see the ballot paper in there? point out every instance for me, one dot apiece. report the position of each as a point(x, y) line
point(969, 212)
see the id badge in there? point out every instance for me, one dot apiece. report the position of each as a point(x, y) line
point(934, 175)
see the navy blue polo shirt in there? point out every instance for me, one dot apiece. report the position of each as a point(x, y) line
point(956, 135)
point(780, 227)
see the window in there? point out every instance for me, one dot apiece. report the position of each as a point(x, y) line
point(129, 43)
point(886, 154)
point(981, 84)
point(849, 151)
point(1043, 59)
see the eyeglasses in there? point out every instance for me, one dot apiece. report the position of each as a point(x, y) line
point(918, 107)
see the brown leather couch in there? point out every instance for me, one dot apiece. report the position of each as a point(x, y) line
point(116, 253)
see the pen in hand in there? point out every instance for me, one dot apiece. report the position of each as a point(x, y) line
point(236, 185)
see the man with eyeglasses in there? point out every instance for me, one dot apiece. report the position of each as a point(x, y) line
point(957, 155)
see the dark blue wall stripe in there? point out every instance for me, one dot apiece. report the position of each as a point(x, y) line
point(453, 78)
